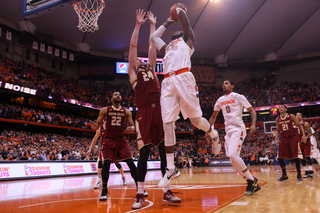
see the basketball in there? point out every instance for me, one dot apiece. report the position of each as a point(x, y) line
point(173, 12)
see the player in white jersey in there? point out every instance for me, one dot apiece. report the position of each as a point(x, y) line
point(315, 153)
point(179, 91)
point(232, 105)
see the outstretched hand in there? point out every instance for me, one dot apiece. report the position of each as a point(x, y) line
point(182, 6)
point(140, 17)
point(94, 125)
point(171, 20)
point(130, 129)
point(152, 18)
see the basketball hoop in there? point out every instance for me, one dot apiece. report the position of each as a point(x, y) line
point(88, 12)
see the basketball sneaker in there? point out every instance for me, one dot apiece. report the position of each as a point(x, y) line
point(170, 175)
point(145, 193)
point(124, 181)
point(257, 189)
point(104, 195)
point(98, 185)
point(252, 186)
point(299, 178)
point(169, 197)
point(139, 201)
point(311, 172)
point(283, 177)
point(306, 174)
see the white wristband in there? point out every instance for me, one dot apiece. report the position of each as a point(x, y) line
point(159, 31)
point(158, 42)
point(212, 126)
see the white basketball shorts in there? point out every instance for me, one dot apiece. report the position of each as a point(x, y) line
point(234, 139)
point(315, 153)
point(179, 93)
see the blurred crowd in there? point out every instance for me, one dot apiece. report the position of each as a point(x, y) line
point(49, 116)
point(259, 91)
point(191, 150)
point(41, 115)
point(50, 83)
point(267, 91)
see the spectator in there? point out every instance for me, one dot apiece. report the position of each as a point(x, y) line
point(33, 157)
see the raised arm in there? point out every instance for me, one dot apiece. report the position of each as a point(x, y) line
point(185, 24)
point(140, 20)
point(156, 36)
point(152, 54)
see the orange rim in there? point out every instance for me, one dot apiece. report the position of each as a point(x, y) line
point(75, 5)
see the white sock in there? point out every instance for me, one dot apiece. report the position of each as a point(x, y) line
point(248, 175)
point(240, 164)
point(310, 168)
point(140, 187)
point(166, 188)
point(305, 168)
point(170, 160)
point(100, 179)
point(238, 170)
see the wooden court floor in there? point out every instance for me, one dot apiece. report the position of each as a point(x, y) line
point(207, 189)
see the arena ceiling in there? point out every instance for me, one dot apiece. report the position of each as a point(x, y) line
point(236, 29)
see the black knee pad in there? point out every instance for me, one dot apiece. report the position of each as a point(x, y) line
point(118, 165)
point(100, 164)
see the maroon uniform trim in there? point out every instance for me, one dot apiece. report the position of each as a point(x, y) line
point(148, 117)
point(286, 127)
point(114, 124)
point(288, 147)
point(147, 90)
point(304, 147)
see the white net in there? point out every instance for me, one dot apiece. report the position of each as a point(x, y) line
point(88, 12)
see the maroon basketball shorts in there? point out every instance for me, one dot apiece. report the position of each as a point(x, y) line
point(149, 125)
point(289, 147)
point(305, 149)
point(115, 149)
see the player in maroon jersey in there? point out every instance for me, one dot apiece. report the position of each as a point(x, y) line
point(289, 141)
point(149, 124)
point(100, 162)
point(115, 146)
point(305, 147)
